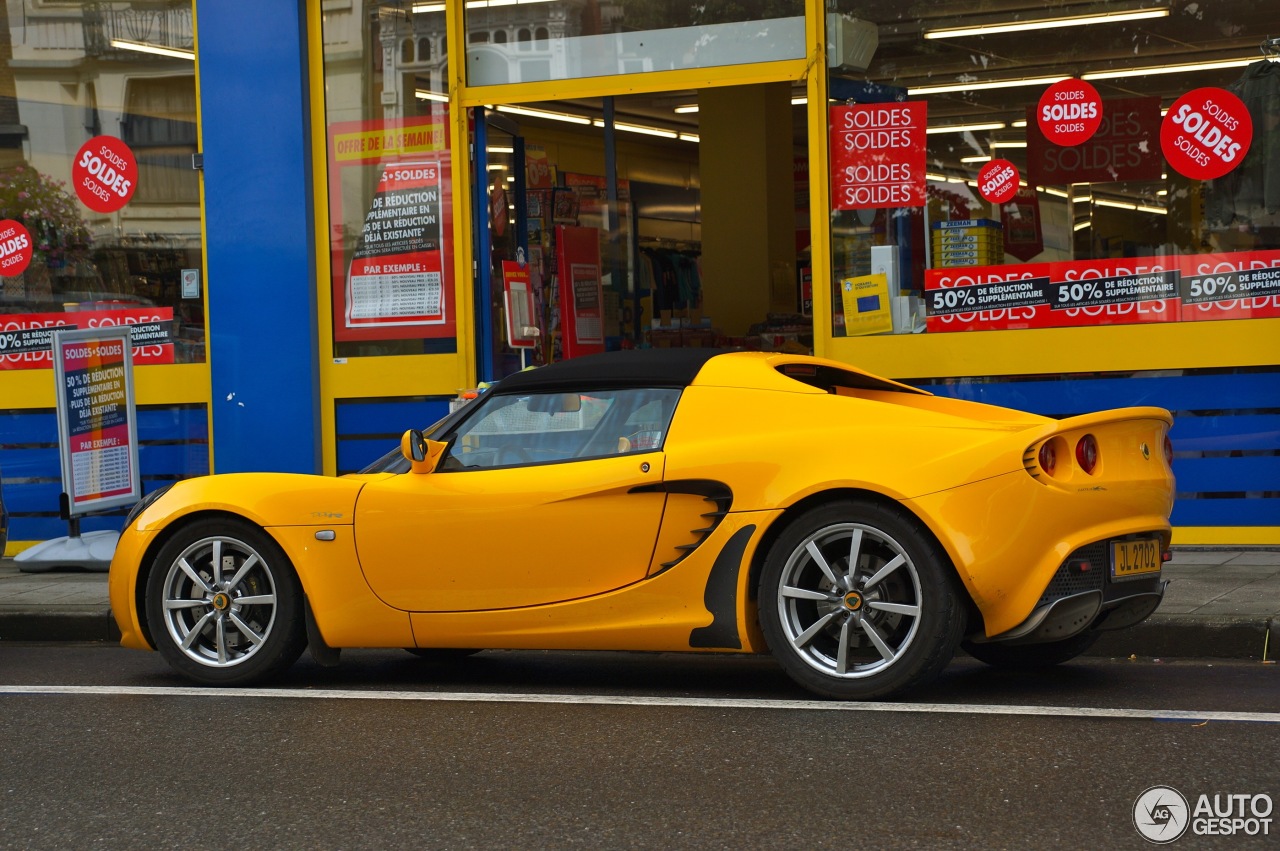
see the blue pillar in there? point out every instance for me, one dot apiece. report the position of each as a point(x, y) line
point(259, 235)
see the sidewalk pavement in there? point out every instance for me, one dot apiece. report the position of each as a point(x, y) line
point(1220, 603)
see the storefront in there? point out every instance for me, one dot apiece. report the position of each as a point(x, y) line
point(391, 202)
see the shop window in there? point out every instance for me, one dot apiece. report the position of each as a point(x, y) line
point(593, 40)
point(1113, 172)
point(107, 247)
point(390, 194)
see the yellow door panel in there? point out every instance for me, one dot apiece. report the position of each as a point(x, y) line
point(510, 537)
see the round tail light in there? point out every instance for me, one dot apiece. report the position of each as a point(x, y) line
point(1048, 458)
point(1087, 453)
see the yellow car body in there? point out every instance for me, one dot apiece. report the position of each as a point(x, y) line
point(662, 542)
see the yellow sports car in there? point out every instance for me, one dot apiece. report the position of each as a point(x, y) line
point(674, 500)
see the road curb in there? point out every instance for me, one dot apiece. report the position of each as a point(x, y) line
point(58, 626)
point(1189, 636)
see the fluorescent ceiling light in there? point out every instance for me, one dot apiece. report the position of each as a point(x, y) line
point(542, 113)
point(500, 149)
point(422, 8)
point(1168, 69)
point(1021, 122)
point(146, 47)
point(1082, 225)
point(1047, 23)
point(1144, 208)
point(1049, 190)
point(976, 159)
point(640, 128)
point(964, 128)
point(1119, 205)
point(986, 84)
point(423, 94)
point(691, 137)
point(998, 144)
point(687, 108)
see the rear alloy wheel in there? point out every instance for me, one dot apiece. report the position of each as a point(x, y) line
point(224, 604)
point(1031, 657)
point(857, 602)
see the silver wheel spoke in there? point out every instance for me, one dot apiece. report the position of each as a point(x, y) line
point(805, 637)
point(244, 569)
point(258, 600)
point(190, 571)
point(885, 650)
point(893, 564)
point(896, 608)
point(170, 605)
point(246, 630)
point(855, 549)
point(842, 657)
point(217, 563)
point(191, 636)
point(820, 560)
point(222, 641)
point(796, 593)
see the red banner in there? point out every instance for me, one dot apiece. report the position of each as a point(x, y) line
point(26, 339)
point(1053, 295)
point(878, 156)
point(1243, 285)
point(1023, 232)
point(398, 282)
point(1123, 148)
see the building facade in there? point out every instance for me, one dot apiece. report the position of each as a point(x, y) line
point(347, 212)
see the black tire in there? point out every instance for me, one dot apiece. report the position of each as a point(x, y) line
point(241, 616)
point(1031, 657)
point(441, 655)
point(889, 625)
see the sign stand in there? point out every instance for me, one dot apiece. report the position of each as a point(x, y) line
point(97, 442)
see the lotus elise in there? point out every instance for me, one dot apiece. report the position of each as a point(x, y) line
point(856, 528)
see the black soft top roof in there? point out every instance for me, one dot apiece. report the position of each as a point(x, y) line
point(633, 368)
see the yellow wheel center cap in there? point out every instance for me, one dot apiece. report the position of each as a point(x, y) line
point(221, 601)
point(853, 601)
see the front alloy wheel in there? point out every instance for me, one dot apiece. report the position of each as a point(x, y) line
point(856, 603)
point(224, 604)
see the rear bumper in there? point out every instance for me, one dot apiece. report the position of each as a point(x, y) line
point(1084, 596)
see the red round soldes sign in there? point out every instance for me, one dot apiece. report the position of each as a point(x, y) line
point(15, 248)
point(105, 174)
point(1070, 112)
point(998, 181)
point(1206, 133)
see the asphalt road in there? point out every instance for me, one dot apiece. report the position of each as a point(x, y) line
point(102, 747)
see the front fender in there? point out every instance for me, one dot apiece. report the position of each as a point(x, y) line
point(267, 499)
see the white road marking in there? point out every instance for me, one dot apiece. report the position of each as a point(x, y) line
point(624, 700)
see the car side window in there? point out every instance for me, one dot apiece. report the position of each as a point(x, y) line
point(543, 428)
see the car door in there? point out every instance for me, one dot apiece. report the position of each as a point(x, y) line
point(521, 511)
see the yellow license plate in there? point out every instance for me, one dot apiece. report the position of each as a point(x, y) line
point(1139, 557)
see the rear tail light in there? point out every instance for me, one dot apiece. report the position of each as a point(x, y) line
point(1087, 453)
point(1048, 458)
